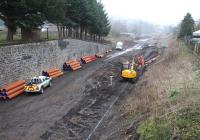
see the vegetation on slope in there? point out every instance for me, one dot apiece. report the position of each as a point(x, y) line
point(174, 112)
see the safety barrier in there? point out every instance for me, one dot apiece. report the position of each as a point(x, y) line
point(88, 59)
point(53, 73)
point(12, 90)
point(99, 55)
point(71, 65)
point(110, 50)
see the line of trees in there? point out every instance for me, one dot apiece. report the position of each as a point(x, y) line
point(187, 26)
point(82, 19)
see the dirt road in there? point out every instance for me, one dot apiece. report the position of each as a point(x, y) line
point(73, 108)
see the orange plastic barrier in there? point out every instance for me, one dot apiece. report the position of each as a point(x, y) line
point(12, 90)
point(99, 55)
point(141, 60)
point(71, 65)
point(88, 59)
point(13, 85)
point(110, 50)
point(20, 87)
point(16, 94)
point(93, 57)
point(53, 73)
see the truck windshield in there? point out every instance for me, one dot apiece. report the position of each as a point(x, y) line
point(36, 81)
point(126, 66)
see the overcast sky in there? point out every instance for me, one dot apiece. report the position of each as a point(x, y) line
point(163, 12)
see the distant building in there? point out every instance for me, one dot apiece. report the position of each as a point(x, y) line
point(3, 28)
point(51, 27)
point(196, 41)
point(196, 37)
point(128, 34)
point(196, 34)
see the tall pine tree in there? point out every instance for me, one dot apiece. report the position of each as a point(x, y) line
point(187, 26)
point(77, 17)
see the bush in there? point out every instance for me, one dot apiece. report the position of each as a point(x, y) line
point(173, 94)
point(155, 129)
point(186, 123)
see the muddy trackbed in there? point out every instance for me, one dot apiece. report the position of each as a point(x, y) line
point(74, 107)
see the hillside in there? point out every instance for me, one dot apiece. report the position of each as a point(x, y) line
point(164, 104)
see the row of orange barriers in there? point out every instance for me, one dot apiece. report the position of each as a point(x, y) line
point(16, 88)
point(71, 65)
point(88, 59)
point(53, 73)
point(99, 55)
point(110, 50)
point(12, 90)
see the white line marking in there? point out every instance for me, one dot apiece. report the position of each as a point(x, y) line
point(88, 138)
point(111, 80)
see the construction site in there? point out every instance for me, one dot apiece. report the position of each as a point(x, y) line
point(113, 95)
point(99, 70)
point(80, 102)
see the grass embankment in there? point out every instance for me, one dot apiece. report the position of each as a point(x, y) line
point(169, 97)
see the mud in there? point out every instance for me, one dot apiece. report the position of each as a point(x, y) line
point(73, 108)
point(101, 94)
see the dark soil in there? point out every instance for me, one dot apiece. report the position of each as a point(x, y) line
point(72, 109)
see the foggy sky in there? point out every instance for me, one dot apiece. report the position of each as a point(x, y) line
point(162, 12)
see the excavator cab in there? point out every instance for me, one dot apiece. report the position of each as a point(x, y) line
point(127, 71)
point(131, 71)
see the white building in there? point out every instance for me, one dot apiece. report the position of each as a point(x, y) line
point(51, 27)
point(3, 28)
point(196, 33)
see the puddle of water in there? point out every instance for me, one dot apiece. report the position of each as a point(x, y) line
point(111, 56)
point(138, 46)
point(143, 40)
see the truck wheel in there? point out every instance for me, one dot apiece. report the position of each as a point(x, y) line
point(42, 90)
point(50, 84)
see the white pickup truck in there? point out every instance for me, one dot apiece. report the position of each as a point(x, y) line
point(38, 84)
point(119, 46)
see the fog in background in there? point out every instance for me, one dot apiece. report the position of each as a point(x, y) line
point(148, 16)
point(137, 27)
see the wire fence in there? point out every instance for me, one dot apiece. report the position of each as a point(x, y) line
point(44, 36)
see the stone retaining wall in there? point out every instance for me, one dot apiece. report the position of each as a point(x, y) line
point(27, 60)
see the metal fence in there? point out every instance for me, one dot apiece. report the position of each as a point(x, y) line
point(44, 36)
point(17, 37)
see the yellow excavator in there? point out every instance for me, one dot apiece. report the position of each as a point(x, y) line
point(132, 71)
